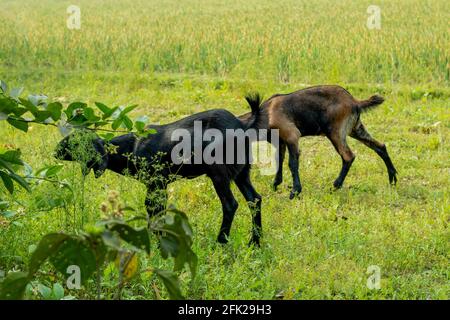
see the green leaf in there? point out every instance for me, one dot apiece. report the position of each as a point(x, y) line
point(6, 165)
point(90, 114)
point(3, 86)
point(49, 171)
point(53, 170)
point(111, 113)
point(176, 241)
point(21, 181)
point(72, 107)
point(55, 109)
point(143, 119)
point(128, 109)
point(42, 115)
point(103, 108)
point(171, 282)
point(140, 123)
point(7, 182)
point(107, 112)
point(58, 291)
point(19, 124)
point(8, 105)
point(31, 248)
point(101, 123)
point(107, 136)
point(64, 128)
point(139, 126)
point(111, 240)
point(28, 105)
point(48, 246)
point(19, 111)
point(78, 119)
point(151, 131)
point(117, 112)
point(12, 156)
point(13, 286)
point(45, 291)
point(139, 238)
point(168, 245)
point(15, 92)
point(128, 123)
point(192, 261)
point(116, 124)
point(37, 99)
point(75, 251)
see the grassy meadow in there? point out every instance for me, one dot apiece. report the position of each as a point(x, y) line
point(175, 58)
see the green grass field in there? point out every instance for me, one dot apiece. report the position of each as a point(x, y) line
point(174, 59)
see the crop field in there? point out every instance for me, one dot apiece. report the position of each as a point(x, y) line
point(174, 58)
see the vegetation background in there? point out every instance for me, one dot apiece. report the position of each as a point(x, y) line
point(174, 58)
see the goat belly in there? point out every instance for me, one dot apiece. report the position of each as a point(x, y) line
point(190, 171)
point(310, 129)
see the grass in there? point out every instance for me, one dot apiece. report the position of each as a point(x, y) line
point(284, 40)
point(174, 60)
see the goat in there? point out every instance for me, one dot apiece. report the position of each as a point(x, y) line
point(327, 110)
point(158, 148)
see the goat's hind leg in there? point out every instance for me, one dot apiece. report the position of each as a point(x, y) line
point(360, 133)
point(229, 205)
point(254, 202)
point(340, 144)
point(289, 136)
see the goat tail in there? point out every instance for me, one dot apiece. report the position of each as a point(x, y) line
point(254, 100)
point(372, 102)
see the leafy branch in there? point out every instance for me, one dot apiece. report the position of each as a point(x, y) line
point(20, 112)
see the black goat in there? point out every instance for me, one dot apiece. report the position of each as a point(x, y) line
point(330, 111)
point(134, 155)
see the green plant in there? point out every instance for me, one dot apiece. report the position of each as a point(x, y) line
point(90, 249)
point(109, 240)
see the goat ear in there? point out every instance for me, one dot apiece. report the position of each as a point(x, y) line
point(100, 164)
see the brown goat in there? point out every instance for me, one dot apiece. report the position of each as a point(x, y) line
point(328, 110)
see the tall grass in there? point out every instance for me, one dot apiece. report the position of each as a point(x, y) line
point(297, 40)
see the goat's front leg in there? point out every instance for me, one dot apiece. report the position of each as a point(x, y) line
point(360, 133)
point(254, 202)
point(229, 205)
point(281, 150)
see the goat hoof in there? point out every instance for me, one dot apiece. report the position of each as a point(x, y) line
point(276, 183)
point(254, 242)
point(393, 178)
point(337, 184)
point(222, 239)
point(294, 193)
